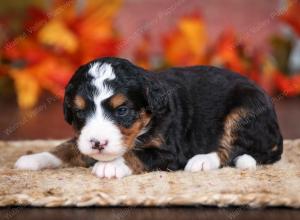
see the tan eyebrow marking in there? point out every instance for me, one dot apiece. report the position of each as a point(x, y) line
point(117, 100)
point(79, 102)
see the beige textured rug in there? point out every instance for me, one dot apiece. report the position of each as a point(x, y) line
point(273, 185)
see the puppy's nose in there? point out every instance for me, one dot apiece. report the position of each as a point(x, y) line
point(99, 144)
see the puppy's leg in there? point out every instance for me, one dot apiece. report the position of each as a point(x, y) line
point(38, 161)
point(69, 153)
point(223, 154)
point(251, 135)
point(123, 166)
point(66, 152)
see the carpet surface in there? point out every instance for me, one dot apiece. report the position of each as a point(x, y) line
point(271, 185)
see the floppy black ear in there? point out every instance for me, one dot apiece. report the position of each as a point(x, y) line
point(156, 93)
point(69, 93)
point(67, 105)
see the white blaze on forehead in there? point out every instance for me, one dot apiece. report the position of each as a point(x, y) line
point(101, 73)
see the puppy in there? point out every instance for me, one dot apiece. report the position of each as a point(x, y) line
point(130, 120)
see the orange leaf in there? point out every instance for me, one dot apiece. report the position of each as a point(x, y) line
point(292, 15)
point(27, 88)
point(289, 86)
point(55, 33)
point(186, 45)
point(226, 52)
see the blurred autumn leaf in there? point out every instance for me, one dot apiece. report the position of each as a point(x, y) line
point(187, 43)
point(45, 41)
point(54, 43)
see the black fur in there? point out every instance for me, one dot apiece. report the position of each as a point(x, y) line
point(188, 107)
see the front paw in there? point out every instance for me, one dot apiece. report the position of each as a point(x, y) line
point(112, 169)
point(38, 161)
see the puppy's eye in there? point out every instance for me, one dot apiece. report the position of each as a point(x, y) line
point(79, 113)
point(122, 111)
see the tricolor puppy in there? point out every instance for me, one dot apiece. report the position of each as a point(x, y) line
point(131, 120)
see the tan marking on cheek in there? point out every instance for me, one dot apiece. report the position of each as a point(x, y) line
point(117, 100)
point(130, 134)
point(133, 162)
point(79, 102)
point(145, 118)
point(229, 135)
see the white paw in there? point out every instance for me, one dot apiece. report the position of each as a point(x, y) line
point(203, 162)
point(37, 161)
point(245, 162)
point(112, 169)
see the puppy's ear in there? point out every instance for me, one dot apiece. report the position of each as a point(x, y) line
point(156, 94)
point(67, 105)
